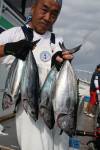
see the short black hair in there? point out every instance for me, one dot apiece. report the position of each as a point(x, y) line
point(98, 66)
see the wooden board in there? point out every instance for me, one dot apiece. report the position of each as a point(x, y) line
point(5, 148)
point(7, 117)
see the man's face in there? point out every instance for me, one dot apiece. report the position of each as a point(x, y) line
point(98, 69)
point(45, 13)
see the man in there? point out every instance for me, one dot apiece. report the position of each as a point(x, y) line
point(36, 135)
point(94, 91)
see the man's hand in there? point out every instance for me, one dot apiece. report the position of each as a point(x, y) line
point(19, 49)
point(59, 57)
point(65, 55)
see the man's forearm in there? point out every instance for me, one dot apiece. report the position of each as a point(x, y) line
point(1, 50)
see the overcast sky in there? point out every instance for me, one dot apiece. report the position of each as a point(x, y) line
point(79, 22)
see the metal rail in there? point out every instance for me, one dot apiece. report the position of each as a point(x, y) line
point(84, 75)
point(6, 9)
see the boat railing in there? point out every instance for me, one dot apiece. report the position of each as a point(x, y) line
point(6, 9)
point(84, 76)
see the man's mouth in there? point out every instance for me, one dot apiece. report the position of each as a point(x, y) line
point(44, 24)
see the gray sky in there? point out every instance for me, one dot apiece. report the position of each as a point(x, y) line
point(79, 22)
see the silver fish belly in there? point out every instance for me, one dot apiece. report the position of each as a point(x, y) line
point(12, 85)
point(30, 86)
point(65, 98)
point(46, 106)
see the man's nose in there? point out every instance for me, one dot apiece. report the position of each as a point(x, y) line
point(47, 17)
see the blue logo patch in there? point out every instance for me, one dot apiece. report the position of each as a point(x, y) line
point(45, 56)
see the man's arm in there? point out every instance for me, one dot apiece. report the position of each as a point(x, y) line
point(19, 49)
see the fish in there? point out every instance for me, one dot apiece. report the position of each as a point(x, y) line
point(46, 106)
point(64, 96)
point(30, 87)
point(12, 85)
point(46, 109)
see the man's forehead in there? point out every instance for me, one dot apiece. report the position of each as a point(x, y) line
point(57, 1)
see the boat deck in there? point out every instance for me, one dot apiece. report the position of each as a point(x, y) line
point(10, 140)
point(84, 123)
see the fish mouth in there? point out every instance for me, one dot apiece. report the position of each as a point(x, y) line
point(28, 109)
point(7, 101)
point(41, 110)
point(65, 122)
point(45, 113)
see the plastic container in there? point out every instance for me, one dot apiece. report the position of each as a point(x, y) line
point(74, 143)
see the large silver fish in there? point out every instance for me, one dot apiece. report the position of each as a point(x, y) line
point(46, 106)
point(64, 97)
point(30, 87)
point(12, 85)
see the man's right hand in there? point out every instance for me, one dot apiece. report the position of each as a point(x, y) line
point(19, 49)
